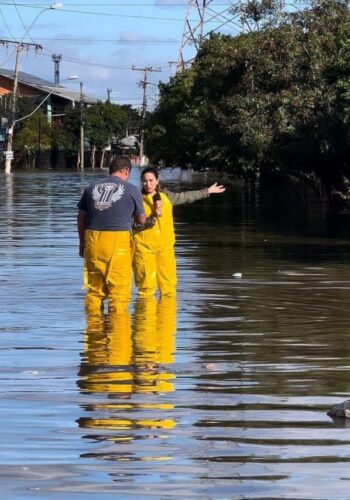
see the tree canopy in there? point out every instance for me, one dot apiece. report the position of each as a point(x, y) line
point(273, 101)
point(104, 123)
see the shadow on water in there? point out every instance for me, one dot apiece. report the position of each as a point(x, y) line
point(222, 394)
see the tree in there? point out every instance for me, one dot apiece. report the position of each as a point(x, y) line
point(169, 134)
point(273, 102)
point(104, 122)
point(33, 135)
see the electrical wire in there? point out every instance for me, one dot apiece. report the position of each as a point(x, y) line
point(6, 25)
point(18, 42)
point(104, 40)
point(48, 53)
point(175, 4)
point(12, 35)
point(87, 40)
point(105, 14)
point(20, 18)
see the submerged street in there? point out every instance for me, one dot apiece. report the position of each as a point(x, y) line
point(220, 393)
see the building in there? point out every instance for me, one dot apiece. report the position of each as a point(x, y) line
point(54, 101)
point(60, 100)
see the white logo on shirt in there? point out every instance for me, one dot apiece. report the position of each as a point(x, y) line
point(107, 193)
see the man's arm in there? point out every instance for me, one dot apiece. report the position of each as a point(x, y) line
point(148, 224)
point(81, 218)
point(140, 219)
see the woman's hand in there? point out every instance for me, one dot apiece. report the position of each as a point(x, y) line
point(157, 209)
point(215, 189)
point(157, 204)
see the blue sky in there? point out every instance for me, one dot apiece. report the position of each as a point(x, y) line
point(101, 41)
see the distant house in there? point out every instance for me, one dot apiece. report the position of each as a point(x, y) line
point(60, 100)
point(130, 142)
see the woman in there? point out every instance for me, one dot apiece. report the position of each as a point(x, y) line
point(154, 259)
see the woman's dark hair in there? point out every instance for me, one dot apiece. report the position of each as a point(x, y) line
point(150, 170)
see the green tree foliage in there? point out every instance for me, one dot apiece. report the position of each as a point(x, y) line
point(258, 14)
point(133, 120)
point(33, 134)
point(170, 134)
point(104, 122)
point(271, 102)
point(68, 136)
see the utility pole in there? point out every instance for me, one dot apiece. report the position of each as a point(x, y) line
point(81, 127)
point(57, 59)
point(144, 83)
point(9, 143)
point(109, 95)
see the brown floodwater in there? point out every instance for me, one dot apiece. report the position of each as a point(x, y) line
point(222, 393)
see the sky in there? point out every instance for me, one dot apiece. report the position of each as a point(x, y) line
point(101, 42)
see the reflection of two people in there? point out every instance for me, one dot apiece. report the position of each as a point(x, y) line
point(125, 356)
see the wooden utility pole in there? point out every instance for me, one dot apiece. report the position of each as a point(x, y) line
point(144, 83)
point(9, 143)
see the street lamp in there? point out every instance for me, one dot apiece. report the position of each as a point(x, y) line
point(9, 152)
point(20, 46)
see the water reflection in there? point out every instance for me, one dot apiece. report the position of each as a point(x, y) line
point(126, 364)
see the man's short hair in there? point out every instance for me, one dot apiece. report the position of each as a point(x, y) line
point(119, 163)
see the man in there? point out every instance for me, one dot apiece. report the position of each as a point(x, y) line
point(106, 209)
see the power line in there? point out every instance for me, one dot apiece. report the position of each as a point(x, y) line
point(105, 14)
point(94, 64)
point(7, 26)
point(121, 40)
point(48, 53)
point(20, 18)
point(175, 4)
point(88, 63)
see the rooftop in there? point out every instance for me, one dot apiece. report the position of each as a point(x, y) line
point(46, 86)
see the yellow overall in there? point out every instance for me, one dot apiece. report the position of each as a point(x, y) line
point(154, 259)
point(108, 269)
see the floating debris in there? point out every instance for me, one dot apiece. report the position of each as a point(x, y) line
point(340, 411)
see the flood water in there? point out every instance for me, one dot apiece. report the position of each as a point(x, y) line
point(220, 394)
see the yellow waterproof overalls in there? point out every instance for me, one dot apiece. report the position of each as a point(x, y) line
point(108, 269)
point(154, 261)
